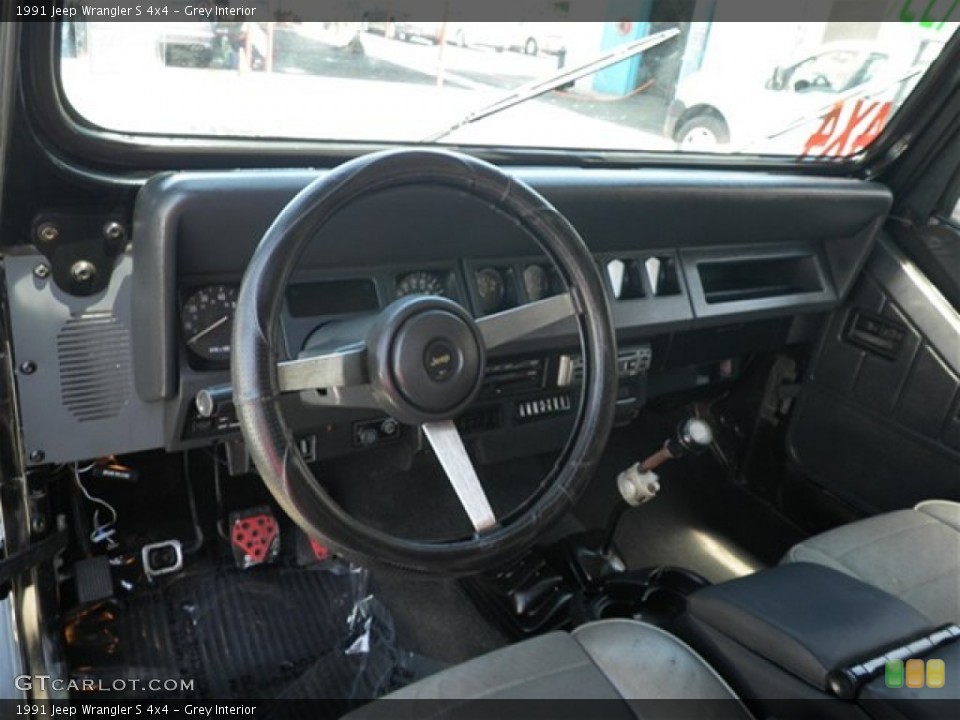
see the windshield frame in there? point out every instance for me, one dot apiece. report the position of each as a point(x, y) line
point(64, 132)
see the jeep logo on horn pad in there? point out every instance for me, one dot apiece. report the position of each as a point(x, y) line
point(439, 360)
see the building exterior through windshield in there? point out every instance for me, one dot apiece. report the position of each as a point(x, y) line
point(687, 75)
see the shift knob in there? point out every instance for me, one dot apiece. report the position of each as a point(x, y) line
point(694, 435)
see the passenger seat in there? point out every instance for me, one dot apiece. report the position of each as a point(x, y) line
point(911, 554)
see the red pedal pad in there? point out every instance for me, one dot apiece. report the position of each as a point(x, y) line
point(311, 552)
point(255, 537)
point(320, 551)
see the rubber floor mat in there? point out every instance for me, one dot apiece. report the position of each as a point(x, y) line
point(238, 635)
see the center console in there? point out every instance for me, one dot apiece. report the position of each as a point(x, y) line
point(804, 631)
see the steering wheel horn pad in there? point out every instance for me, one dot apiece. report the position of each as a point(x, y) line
point(425, 359)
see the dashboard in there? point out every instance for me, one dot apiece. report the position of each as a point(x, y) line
point(518, 389)
point(702, 269)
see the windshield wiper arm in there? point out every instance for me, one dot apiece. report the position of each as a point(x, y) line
point(538, 87)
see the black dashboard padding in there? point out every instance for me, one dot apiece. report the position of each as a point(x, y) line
point(256, 344)
point(207, 224)
point(807, 619)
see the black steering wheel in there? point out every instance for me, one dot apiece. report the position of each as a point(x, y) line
point(420, 360)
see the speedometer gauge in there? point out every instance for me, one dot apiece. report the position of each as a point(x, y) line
point(207, 321)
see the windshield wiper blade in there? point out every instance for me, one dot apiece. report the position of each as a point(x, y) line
point(538, 87)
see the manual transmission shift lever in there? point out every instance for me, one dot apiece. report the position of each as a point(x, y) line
point(639, 484)
point(693, 437)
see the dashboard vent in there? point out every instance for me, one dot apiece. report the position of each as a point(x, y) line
point(95, 377)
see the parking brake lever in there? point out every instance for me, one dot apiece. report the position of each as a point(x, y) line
point(639, 483)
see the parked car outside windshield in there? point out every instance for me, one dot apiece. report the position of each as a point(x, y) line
point(710, 111)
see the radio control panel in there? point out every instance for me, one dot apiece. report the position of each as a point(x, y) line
point(631, 362)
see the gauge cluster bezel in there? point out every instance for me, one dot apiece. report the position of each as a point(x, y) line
point(458, 279)
point(296, 329)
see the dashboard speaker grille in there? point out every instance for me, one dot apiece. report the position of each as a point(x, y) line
point(95, 376)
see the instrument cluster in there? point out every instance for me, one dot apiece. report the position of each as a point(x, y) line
point(207, 311)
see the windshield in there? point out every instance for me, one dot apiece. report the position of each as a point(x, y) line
point(669, 83)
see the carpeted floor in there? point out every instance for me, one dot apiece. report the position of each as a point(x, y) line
point(249, 634)
point(231, 630)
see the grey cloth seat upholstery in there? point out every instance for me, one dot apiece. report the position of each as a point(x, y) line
point(611, 660)
point(912, 554)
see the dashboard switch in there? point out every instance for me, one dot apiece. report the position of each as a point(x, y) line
point(371, 432)
point(631, 362)
point(616, 271)
point(210, 401)
point(662, 277)
point(652, 267)
point(624, 277)
point(308, 448)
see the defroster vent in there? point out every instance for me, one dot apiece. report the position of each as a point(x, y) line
point(95, 376)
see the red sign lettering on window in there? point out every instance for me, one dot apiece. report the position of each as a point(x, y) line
point(848, 128)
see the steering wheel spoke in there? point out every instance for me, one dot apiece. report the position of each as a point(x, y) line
point(345, 368)
point(518, 322)
point(445, 440)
